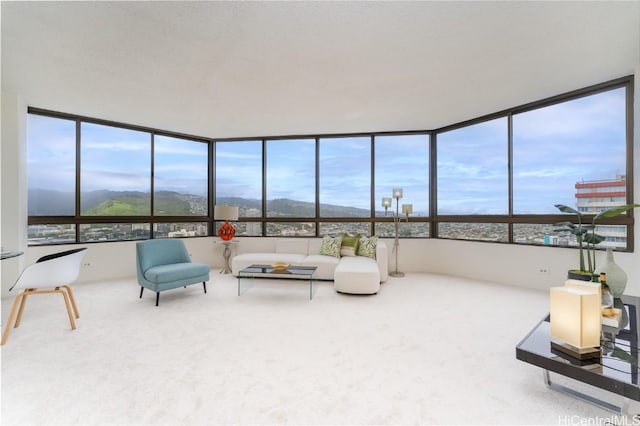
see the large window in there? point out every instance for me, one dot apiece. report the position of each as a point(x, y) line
point(106, 193)
point(345, 177)
point(290, 186)
point(494, 178)
point(51, 166)
point(561, 145)
point(180, 185)
point(51, 172)
point(402, 161)
point(572, 151)
point(473, 165)
point(115, 171)
point(238, 181)
point(291, 178)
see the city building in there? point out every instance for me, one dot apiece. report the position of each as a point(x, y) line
point(593, 197)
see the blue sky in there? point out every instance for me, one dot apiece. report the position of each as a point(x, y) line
point(345, 176)
point(290, 170)
point(554, 147)
point(473, 169)
point(180, 165)
point(557, 146)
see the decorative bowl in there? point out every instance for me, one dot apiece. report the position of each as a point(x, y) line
point(280, 266)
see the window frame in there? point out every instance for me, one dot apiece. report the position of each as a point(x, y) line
point(78, 219)
point(432, 219)
point(511, 218)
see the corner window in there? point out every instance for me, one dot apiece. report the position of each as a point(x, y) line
point(180, 171)
point(560, 149)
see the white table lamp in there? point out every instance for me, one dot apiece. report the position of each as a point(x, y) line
point(575, 320)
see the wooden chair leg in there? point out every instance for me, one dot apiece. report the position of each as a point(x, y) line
point(157, 297)
point(73, 300)
point(204, 284)
point(66, 302)
point(22, 303)
point(141, 290)
point(12, 316)
point(20, 299)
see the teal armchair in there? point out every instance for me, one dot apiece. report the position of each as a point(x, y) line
point(165, 264)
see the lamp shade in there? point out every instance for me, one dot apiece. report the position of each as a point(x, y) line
point(386, 202)
point(224, 212)
point(397, 192)
point(575, 316)
point(407, 209)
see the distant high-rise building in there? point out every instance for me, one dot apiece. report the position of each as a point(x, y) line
point(593, 197)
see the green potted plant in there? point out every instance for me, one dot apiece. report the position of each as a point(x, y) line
point(586, 237)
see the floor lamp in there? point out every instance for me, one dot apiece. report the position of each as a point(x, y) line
point(407, 209)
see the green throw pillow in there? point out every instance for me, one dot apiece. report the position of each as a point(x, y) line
point(367, 247)
point(349, 245)
point(331, 246)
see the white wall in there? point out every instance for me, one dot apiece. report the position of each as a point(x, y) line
point(503, 263)
point(104, 261)
point(13, 207)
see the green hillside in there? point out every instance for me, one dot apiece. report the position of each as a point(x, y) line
point(137, 204)
point(122, 206)
point(171, 204)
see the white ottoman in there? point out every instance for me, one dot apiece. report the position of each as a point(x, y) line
point(357, 275)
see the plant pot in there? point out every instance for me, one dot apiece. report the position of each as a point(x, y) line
point(574, 274)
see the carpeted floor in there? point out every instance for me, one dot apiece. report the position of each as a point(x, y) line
point(427, 349)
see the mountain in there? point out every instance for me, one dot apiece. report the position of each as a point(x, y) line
point(294, 208)
point(169, 203)
point(44, 202)
point(243, 203)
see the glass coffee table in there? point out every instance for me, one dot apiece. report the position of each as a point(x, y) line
point(268, 271)
point(615, 369)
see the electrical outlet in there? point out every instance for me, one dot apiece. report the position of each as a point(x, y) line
point(543, 270)
point(86, 264)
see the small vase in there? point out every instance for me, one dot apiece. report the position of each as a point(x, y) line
point(616, 277)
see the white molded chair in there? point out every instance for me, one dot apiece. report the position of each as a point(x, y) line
point(50, 274)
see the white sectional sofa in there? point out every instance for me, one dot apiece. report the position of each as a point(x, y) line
point(352, 274)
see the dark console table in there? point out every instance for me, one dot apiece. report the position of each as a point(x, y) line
point(616, 370)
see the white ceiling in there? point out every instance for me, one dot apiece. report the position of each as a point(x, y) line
point(231, 69)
